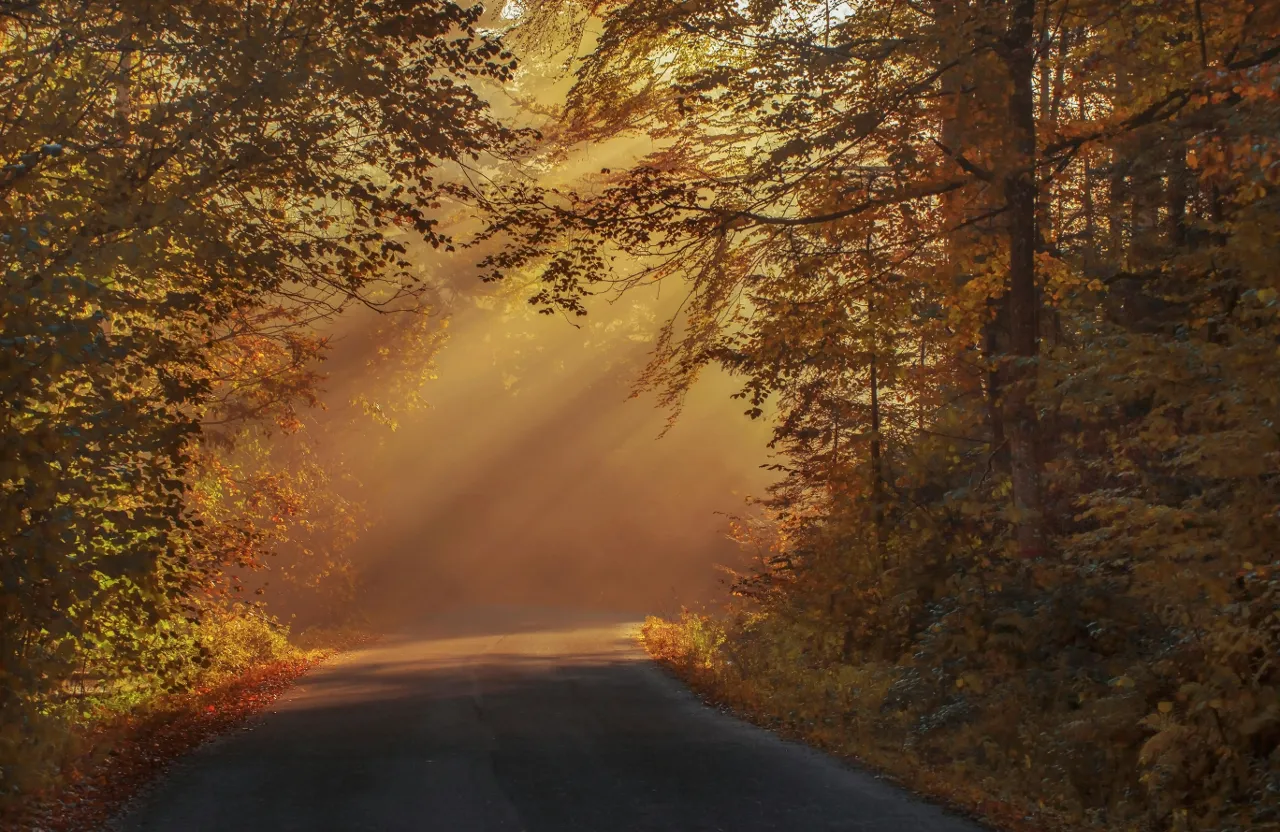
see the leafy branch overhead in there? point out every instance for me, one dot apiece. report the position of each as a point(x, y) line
point(188, 189)
point(1002, 273)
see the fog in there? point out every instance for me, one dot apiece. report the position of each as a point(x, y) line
point(556, 490)
point(534, 477)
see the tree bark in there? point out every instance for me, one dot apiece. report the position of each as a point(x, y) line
point(877, 463)
point(1178, 192)
point(1118, 190)
point(1021, 192)
point(1090, 222)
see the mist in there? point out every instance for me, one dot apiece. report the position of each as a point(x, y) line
point(534, 475)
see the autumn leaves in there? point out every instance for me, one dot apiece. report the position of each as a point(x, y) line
point(1002, 271)
point(189, 189)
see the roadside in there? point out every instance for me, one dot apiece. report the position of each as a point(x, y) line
point(692, 649)
point(492, 720)
point(118, 754)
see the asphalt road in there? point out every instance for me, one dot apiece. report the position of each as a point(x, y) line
point(514, 721)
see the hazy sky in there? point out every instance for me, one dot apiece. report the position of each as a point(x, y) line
point(534, 477)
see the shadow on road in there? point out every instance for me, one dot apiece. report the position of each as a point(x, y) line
point(542, 730)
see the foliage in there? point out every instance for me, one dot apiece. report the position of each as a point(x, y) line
point(189, 190)
point(110, 759)
point(238, 643)
point(1004, 271)
point(694, 642)
point(226, 644)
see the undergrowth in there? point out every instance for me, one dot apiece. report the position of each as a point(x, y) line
point(1036, 750)
point(223, 654)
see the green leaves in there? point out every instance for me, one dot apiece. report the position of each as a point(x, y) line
point(177, 213)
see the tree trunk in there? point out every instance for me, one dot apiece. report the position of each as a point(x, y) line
point(994, 348)
point(1090, 223)
point(1178, 192)
point(1118, 190)
point(1021, 421)
point(877, 464)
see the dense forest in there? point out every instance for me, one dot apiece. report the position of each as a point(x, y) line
point(1000, 273)
point(1004, 272)
point(190, 192)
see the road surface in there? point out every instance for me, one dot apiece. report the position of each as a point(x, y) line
point(514, 721)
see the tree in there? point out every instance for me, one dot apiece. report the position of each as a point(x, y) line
point(847, 133)
point(182, 178)
point(1069, 204)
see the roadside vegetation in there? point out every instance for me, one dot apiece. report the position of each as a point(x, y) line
point(104, 742)
point(1003, 275)
point(192, 195)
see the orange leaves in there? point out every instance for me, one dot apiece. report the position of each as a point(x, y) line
point(1150, 365)
point(153, 298)
point(124, 754)
point(1063, 281)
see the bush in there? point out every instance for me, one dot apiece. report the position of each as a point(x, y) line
point(1070, 689)
point(174, 656)
point(237, 642)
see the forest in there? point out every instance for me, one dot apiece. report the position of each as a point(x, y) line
point(999, 276)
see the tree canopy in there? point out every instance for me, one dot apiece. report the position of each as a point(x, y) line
point(1003, 271)
point(187, 188)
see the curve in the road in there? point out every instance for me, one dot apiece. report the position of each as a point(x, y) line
point(515, 722)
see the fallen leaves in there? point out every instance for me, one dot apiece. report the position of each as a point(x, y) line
point(129, 752)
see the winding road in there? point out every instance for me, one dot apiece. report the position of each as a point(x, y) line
point(507, 720)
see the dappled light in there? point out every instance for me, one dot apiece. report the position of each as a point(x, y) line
point(523, 378)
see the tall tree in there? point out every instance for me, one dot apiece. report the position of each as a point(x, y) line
point(181, 178)
point(1072, 205)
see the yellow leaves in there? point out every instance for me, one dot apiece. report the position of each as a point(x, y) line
point(1251, 192)
point(1168, 745)
point(1063, 280)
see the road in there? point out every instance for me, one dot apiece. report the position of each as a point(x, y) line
point(514, 721)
